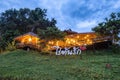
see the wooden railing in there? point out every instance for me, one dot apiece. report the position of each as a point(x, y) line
point(101, 39)
point(32, 46)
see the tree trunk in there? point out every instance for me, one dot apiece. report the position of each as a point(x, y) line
point(113, 39)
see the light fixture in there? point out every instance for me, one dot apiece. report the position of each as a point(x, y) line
point(30, 39)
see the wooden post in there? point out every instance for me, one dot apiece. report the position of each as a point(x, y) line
point(94, 46)
point(28, 49)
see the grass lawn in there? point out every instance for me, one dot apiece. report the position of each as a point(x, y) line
point(23, 65)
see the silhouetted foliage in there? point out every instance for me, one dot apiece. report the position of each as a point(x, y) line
point(51, 33)
point(15, 22)
point(110, 27)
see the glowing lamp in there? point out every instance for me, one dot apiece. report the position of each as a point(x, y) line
point(88, 40)
point(52, 42)
point(68, 42)
point(57, 43)
point(30, 39)
point(87, 35)
point(73, 41)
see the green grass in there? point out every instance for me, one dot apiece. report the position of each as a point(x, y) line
point(23, 65)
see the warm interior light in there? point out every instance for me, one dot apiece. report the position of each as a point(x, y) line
point(87, 35)
point(88, 40)
point(68, 42)
point(23, 41)
point(73, 41)
point(36, 40)
point(30, 39)
point(57, 43)
point(51, 42)
point(77, 36)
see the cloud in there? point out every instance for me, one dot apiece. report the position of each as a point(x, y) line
point(86, 24)
point(79, 15)
point(117, 4)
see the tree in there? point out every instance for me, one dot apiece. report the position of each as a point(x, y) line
point(16, 22)
point(110, 27)
point(51, 33)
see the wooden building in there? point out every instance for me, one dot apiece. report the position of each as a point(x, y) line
point(72, 39)
point(79, 39)
point(29, 39)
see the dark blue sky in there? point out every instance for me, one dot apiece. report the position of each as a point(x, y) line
point(79, 15)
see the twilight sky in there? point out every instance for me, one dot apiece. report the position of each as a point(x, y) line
point(79, 15)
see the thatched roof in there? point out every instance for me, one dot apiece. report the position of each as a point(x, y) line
point(29, 34)
point(32, 34)
point(68, 32)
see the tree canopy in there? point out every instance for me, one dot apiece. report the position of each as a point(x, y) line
point(15, 22)
point(110, 27)
point(51, 33)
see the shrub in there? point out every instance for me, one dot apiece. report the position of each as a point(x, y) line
point(44, 53)
point(115, 48)
point(1, 50)
point(11, 46)
point(2, 44)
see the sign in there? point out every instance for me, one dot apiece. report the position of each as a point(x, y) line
point(67, 51)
